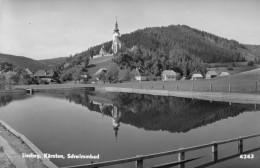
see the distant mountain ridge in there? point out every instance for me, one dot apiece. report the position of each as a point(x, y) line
point(53, 61)
point(23, 62)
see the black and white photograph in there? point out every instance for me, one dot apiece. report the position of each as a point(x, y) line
point(129, 84)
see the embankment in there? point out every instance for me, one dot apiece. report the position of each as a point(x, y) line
point(20, 144)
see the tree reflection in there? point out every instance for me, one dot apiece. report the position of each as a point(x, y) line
point(5, 99)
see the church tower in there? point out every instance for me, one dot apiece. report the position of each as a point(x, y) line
point(116, 43)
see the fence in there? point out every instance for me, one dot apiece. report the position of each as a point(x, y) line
point(181, 155)
point(196, 86)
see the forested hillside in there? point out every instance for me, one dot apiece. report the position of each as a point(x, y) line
point(53, 61)
point(23, 62)
point(178, 47)
point(255, 49)
point(208, 47)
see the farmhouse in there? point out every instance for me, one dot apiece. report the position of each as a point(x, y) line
point(196, 76)
point(45, 74)
point(48, 76)
point(211, 74)
point(169, 75)
point(99, 71)
point(138, 76)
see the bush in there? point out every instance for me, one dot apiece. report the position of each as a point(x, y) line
point(42, 82)
point(124, 75)
point(250, 63)
point(230, 68)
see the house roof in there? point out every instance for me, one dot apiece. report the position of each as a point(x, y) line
point(169, 73)
point(197, 75)
point(212, 73)
point(28, 71)
point(99, 71)
point(224, 74)
point(39, 73)
point(46, 73)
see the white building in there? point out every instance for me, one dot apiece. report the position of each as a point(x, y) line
point(116, 43)
point(169, 75)
point(196, 76)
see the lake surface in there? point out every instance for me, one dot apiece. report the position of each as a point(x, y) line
point(120, 125)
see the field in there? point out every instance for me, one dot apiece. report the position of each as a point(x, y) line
point(96, 64)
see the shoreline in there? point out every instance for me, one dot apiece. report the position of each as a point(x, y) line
point(19, 144)
point(249, 98)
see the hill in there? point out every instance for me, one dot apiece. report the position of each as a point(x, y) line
point(178, 47)
point(23, 62)
point(53, 61)
point(206, 46)
point(96, 64)
point(255, 49)
point(251, 72)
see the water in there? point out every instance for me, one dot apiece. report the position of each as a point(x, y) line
point(120, 125)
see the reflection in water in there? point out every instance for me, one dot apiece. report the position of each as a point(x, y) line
point(69, 124)
point(155, 112)
point(116, 115)
point(146, 111)
point(5, 99)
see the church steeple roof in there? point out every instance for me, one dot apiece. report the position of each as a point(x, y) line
point(116, 27)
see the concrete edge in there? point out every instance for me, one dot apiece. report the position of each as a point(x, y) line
point(45, 161)
point(15, 158)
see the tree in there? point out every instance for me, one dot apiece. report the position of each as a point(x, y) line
point(2, 82)
point(14, 79)
point(250, 63)
point(86, 62)
point(6, 66)
point(110, 51)
point(112, 72)
point(124, 75)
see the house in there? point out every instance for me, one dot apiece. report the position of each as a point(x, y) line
point(46, 75)
point(224, 74)
point(99, 71)
point(196, 76)
point(169, 75)
point(138, 76)
point(28, 71)
point(211, 74)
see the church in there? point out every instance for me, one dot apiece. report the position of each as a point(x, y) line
point(116, 43)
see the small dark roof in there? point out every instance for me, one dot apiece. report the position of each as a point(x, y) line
point(212, 73)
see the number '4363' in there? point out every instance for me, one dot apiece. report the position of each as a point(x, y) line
point(247, 156)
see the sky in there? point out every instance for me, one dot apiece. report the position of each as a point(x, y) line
point(43, 29)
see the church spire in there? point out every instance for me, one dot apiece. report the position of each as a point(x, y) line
point(116, 26)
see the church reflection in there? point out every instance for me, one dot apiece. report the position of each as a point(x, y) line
point(116, 115)
point(153, 113)
point(111, 110)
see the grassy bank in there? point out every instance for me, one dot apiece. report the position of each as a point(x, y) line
point(234, 84)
